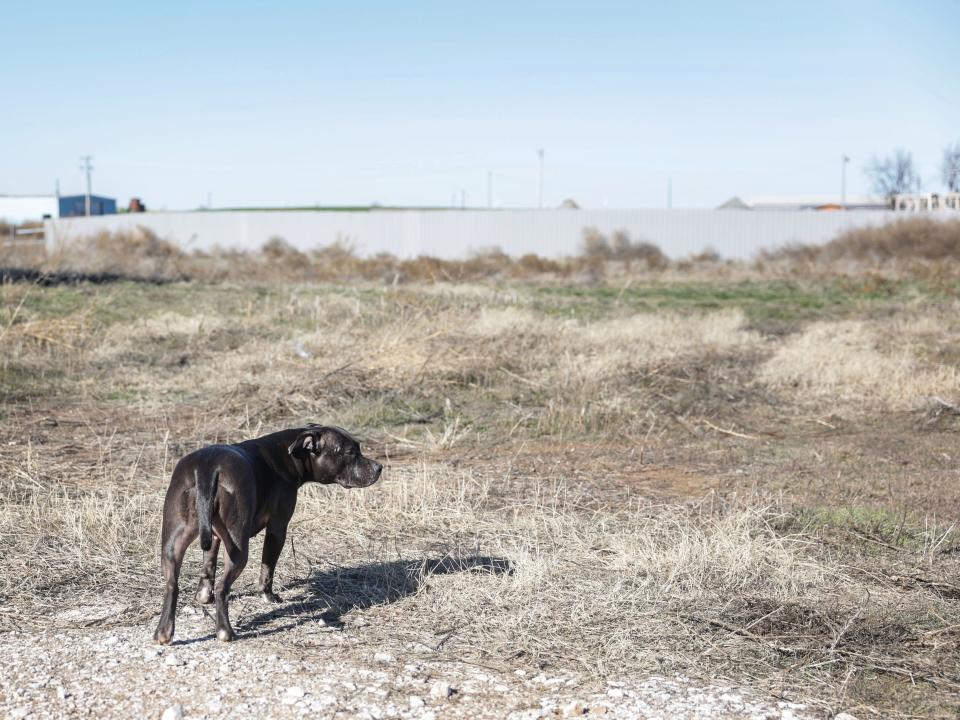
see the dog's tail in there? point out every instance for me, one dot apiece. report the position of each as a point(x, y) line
point(206, 492)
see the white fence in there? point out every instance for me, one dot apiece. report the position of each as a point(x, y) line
point(455, 234)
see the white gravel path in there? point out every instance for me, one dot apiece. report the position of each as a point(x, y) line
point(120, 673)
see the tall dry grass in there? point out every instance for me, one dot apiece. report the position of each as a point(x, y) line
point(912, 246)
point(537, 579)
point(848, 363)
point(142, 254)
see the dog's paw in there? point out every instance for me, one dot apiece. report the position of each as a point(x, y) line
point(204, 595)
point(162, 637)
point(225, 635)
point(271, 597)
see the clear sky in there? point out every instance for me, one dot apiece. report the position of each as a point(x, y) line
point(289, 103)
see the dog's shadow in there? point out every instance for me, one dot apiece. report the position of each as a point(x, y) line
point(326, 596)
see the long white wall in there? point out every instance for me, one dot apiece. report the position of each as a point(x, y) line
point(455, 234)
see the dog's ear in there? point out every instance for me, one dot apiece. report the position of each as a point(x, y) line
point(309, 441)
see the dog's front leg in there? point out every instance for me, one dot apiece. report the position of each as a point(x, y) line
point(272, 545)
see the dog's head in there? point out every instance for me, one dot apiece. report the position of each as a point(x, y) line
point(332, 455)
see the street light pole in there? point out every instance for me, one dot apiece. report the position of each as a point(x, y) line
point(540, 153)
point(87, 168)
point(843, 181)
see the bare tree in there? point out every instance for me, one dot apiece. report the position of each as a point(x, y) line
point(951, 167)
point(893, 175)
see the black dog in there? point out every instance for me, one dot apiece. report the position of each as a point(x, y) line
point(229, 493)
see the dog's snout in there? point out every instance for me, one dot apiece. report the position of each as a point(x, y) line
point(377, 468)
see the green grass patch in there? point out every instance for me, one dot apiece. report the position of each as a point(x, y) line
point(780, 300)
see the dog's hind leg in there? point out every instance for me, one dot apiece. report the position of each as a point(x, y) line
point(272, 545)
point(208, 572)
point(175, 540)
point(234, 560)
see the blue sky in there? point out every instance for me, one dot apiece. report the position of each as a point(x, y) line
point(291, 103)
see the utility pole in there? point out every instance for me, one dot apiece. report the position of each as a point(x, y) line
point(540, 153)
point(87, 168)
point(463, 199)
point(843, 181)
point(669, 193)
point(489, 189)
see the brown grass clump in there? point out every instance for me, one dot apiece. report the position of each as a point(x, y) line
point(917, 245)
point(847, 362)
point(621, 247)
point(141, 254)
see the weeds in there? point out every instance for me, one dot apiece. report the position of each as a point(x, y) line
point(605, 479)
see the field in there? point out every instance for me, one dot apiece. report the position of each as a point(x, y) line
point(732, 478)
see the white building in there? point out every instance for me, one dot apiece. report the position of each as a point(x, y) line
point(925, 202)
point(791, 202)
point(17, 209)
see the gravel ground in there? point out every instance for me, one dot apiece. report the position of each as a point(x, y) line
point(121, 673)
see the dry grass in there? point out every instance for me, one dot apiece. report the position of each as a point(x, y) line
point(608, 480)
point(914, 246)
point(142, 254)
point(848, 362)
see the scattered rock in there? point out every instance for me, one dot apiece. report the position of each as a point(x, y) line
point(301, 351)
point(293, 694)
point(844, 716)
point(323, 701)
point(174, 712)
point(246, 682)
point(441, 690)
